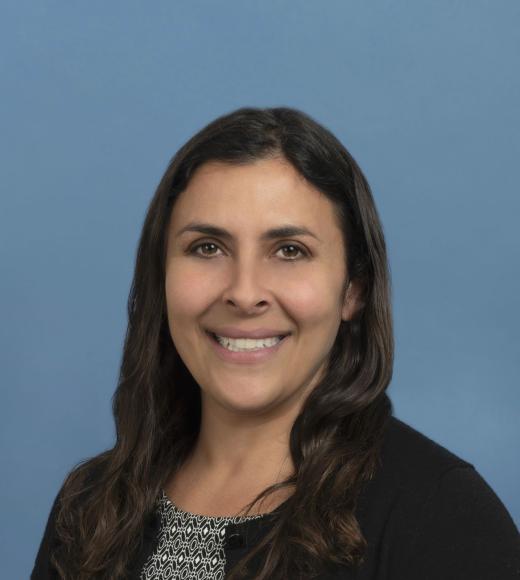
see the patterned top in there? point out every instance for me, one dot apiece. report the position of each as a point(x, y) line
point(189, 545)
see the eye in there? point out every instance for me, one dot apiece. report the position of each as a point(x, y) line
point(193, 249)
point(211, 246)
point(294, 247)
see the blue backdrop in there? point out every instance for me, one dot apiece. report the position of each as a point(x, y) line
point(96, 98)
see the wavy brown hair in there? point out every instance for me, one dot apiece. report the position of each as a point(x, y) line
point(335, 440)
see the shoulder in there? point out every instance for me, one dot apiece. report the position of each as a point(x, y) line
point(433, 511)
point(410, 458)
point(91, 472)
point(411, 465)
point(423, 473)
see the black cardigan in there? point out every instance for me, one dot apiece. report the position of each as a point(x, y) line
point(426, 515)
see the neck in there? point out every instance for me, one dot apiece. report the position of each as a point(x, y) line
point(234, 446)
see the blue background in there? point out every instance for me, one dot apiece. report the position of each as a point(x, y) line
point(97, 97)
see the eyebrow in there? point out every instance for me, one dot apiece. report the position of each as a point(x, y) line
point(283, 231)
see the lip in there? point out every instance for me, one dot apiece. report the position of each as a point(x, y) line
point(255, 356)
point(234, 332)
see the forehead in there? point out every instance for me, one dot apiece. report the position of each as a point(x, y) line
point(254, 195)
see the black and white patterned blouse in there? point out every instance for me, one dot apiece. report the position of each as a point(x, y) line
point(189, 545)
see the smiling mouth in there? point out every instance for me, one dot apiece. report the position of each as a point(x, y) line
point(246, 344)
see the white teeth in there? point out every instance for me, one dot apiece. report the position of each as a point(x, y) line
point(244, 344)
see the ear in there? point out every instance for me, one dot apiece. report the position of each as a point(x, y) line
point(353, 300)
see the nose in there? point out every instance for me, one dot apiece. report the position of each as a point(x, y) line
point(246, 292)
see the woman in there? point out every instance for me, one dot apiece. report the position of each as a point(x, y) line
point(254, 435)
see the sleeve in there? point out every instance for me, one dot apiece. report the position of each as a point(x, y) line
point(465, 533)
point(42, 569)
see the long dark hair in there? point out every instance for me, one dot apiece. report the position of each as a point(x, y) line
point(334, 442)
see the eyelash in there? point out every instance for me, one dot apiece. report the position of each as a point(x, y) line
point(192, 251)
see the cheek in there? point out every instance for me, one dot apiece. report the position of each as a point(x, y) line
point(187, 295)
point(186, 299)
point(313, 302)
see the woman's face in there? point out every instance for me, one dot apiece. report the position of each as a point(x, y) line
point(242, 279)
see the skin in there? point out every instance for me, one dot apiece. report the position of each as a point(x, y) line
point(248, 410)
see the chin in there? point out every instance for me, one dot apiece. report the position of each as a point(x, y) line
point(245, 403)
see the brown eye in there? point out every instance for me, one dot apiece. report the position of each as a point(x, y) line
point(294, 248)
point(193, 249)
point(293, 252)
